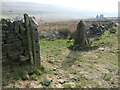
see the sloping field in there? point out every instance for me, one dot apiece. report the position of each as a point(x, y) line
point(93, 67)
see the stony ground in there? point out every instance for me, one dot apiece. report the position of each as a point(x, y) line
point(95, 67)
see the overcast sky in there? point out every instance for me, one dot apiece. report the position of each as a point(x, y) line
point(90, 5)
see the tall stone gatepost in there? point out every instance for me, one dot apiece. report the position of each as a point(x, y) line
point(32, 35)
point(80, 35)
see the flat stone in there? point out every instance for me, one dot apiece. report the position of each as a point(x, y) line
point(23, 58)
point(59, 77)
point(11, 39)
point(88, 77)
point(54, 69)
point(47, 82)
point(62, 81)
point(74, 77)
point(102, 49)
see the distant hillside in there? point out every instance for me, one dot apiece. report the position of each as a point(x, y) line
point(42, 11)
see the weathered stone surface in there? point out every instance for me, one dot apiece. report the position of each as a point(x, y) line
point(3, 37)
point(26, 18)
point(13, 48)
point(11, 39)
point(27, 26)
point(16, 27)
point(34, 35)
point(20, 40)
point(15, 57)
point(80, 37)
point(5, 59)
point(5, 47)
point(97, 29)
point(13, 53)
point(25, 52)
point(4, 27)
point(22, 29)
point(2, 42)
point(33, 23)
point(23, 58)
point(11, 26)
point(47, 82)
point(4, 21)
point(16, 45)
point(25, 42)
point(22, 36)
point(4, 55)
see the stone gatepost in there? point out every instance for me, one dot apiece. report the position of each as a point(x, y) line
point(32, 35)
point(80, 35)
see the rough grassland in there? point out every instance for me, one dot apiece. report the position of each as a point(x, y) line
point(95, 67)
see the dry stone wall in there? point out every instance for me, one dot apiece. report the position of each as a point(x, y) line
point(20, 40)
